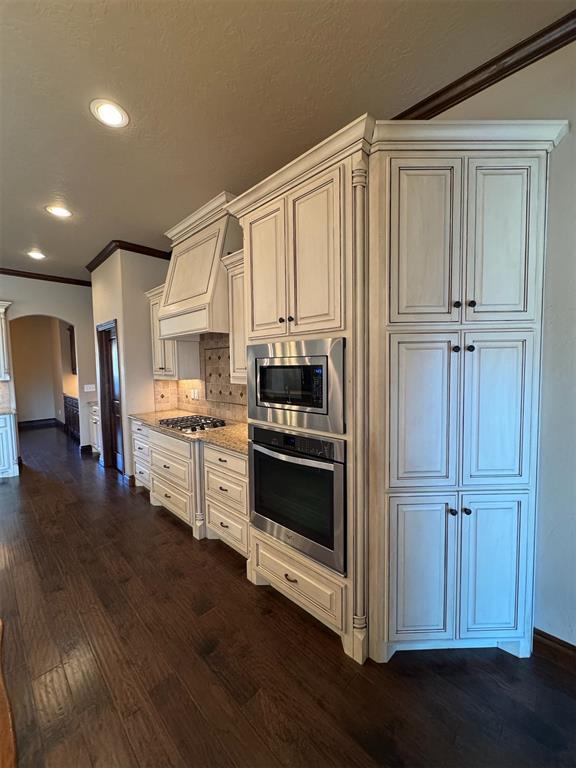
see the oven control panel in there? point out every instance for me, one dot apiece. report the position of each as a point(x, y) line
point(305, 445)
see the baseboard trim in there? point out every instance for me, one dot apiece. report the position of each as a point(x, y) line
point(555, 649)
point(86, 450)
point(38, 424)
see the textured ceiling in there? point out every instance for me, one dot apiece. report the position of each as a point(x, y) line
point(220, 94)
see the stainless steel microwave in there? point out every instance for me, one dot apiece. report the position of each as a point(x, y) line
point(298, 384)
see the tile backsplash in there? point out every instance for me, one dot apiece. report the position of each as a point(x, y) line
point(217, 396)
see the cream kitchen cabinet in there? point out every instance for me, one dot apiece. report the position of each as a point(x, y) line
point(94, 431)
point(8, 446)
point(294, 260)
point(457, 566)
point(4, 343)
point(234, 263)
point(496, 276)
point(226, 497)
point(171, 359)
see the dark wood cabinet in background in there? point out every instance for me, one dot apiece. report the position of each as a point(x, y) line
point(72, 417)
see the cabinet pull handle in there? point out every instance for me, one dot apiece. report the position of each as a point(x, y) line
point(223, 461)
point(223, 525)
point(161, 368)
point(167, 496)
point(466, 510)
point(452, 512)
point(292, 581)
point(456, 348)
point(472, 303)
point(290, 319)
point(281, 320)
point(138, 429)
point(221, 487)
point(166, 466)
point(139, 447)
point(140, 472)
point(457, 304)
point(470, 347)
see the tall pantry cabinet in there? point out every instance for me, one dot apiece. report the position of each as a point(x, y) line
point(457, 235)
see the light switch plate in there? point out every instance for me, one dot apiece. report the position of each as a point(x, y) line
point(89, 387)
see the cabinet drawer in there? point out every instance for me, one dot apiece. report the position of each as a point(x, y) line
point(226, 489)
point(174, 500)
point(316, 592)
point(141, 450)
point(230, 527)
point(138, 429)
point(174, 469)
point(228, 461)
point(170, 444)
point(142, 474)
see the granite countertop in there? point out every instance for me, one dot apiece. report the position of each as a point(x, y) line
point(234, 436)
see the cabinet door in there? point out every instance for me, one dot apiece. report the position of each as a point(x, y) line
point(504, 249)
point(493, 565)
point(497, 407)
point(423, 536)
point(7, 457)
point(265, 243)
point(315, 254)
point(163, 351)
point(424, 372)
point(237, 325)
point(425, 249)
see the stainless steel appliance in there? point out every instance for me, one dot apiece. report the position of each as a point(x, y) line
point(298, 492)
point(298, 383)
point(191, 423)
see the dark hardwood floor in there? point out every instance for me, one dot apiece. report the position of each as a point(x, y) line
point(127, 643)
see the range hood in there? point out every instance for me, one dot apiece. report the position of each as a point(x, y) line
point(195, 298)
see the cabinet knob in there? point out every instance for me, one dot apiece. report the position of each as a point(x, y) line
point(472, 303)
point(457, 304)
point(470, 347)
point(223, 525)
point(281, 320)
point(466, 510)
point(290, 319)
point(452, 512)
point(456, 348)
point(292, 581)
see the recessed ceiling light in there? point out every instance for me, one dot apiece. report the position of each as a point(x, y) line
point(109, 113)
point(59, 211)
point(36, 254)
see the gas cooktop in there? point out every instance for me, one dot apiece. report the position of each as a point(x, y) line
point(192, 423)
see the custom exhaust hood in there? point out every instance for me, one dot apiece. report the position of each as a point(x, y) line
point(195, 298)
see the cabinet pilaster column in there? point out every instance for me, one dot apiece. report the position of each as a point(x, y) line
point(4, 345)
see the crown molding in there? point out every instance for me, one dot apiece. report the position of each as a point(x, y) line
point(541, 44)
point(234, 259)
point(124, 245)
point(210, 212)
point(355, 135)
point(40, 276)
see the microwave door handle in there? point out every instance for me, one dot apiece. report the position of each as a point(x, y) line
point(294, 459)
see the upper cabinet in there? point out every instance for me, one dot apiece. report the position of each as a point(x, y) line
point(471, 257)
point(234, 264)
point(195, 298)
point(4, 345)
point(294, 260)
point(171, 359)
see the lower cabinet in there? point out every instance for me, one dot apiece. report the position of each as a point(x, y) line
point(458, 566)
point(8, 450)
point(226, 497)
point(94, 424)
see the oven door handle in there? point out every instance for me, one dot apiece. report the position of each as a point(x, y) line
point(294, 459)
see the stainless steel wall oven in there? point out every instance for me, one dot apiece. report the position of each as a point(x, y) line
point(298, 492)
point(298, 383)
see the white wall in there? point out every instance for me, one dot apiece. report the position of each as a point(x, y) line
point(547, 89)
point(73, 305)
point(33, 367)
point(118, 293)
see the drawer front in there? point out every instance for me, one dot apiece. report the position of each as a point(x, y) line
point(138, 429)
point(177, 470)
point(171, 444)
point(174, 500)
point(230, 462)
point(142, 473)
point(141, 450)
point(318, 593)
point(228, 526)
point(226, 489)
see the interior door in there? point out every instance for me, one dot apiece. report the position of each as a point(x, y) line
point(315, 254)
point(110, 396)
point(493, 564)
point(497, 406)
point(265, 242)
point(504, 247)
point(424, 373)
point(425, 250)
point(423, 536)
